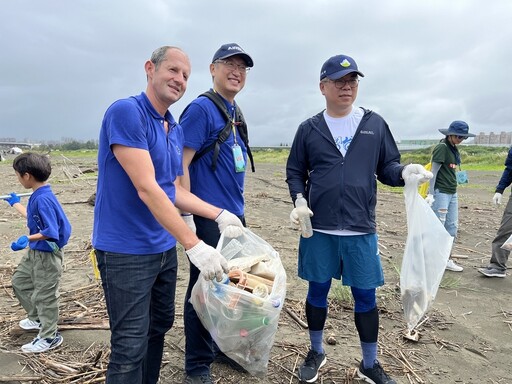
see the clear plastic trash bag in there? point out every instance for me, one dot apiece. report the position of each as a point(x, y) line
point(242, 312)
point(427, 250)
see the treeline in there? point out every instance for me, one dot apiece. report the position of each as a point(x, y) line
point(472, 156)
point(70, 146)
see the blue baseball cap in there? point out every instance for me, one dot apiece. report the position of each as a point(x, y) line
point(338, 66)
point(457, 128)
point(232, 49)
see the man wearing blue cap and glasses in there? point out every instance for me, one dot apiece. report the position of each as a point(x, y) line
point(335, 161)
point(214, 170)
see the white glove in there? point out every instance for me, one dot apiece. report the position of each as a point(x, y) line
point(229, 224)
point(419, 171)
point(294, 217)
point(208, 260)
point(429, 199)
point(189, 220)
point(497, 198)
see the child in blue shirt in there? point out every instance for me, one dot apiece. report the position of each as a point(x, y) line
point(36, 280)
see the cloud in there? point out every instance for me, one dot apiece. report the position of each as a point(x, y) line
point(426, 63)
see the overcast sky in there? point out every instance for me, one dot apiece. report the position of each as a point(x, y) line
point(426, 63)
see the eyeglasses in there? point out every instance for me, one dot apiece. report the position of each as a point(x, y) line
point(352, 83)
point(461, 137)
point(233, 66)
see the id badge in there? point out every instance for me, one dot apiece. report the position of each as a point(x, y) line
point(238, 156)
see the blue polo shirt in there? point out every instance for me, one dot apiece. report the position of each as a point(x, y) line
point(46, 216)
point(202, 122)
point(122, 222)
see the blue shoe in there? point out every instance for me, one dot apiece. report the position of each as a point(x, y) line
point(42, 345)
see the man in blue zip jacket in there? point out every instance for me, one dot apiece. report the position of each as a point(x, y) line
point(336, 158)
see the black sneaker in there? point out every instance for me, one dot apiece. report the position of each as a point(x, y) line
point(203, 379)
point(308, 371)
point(374, 375)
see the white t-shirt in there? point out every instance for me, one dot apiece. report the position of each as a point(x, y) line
point(343, 130)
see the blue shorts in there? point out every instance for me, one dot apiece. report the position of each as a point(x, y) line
point(353, 259)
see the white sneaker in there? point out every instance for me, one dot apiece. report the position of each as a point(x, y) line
point(30, 324)
point(451, 266)
point(42, 345)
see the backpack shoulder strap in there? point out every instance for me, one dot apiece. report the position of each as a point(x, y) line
point(218, 101)
point(226, 131)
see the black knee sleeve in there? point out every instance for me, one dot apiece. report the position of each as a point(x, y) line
point(316, 317)
point(367, 324)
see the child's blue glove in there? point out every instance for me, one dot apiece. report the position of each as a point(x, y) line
point(20, 244)
point(13, 199)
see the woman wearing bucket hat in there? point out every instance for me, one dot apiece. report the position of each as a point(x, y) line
point(442, 193)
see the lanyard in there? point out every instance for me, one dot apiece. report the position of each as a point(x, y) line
point(233, 123)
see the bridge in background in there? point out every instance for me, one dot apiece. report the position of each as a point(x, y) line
point(10, 144)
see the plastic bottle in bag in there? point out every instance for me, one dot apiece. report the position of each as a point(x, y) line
point(253, 322)
point(304, 219)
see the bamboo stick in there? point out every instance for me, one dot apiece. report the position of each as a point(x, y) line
point(8, 379)
point(294, 316)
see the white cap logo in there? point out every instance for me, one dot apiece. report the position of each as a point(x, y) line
point(235, 48)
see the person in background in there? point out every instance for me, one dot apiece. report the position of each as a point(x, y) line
point(36, 280)
point(335, 160)
point(442, 194)
point(498, 264)
point(221, 185)
point(136, 220)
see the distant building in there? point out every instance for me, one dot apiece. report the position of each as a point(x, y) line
point(503, 138)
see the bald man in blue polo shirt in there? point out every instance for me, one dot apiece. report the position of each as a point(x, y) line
point(222, 185)
point(137, 224)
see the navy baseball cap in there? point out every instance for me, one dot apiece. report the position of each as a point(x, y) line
point(232, 49)
point(338, 66)
point(457, 128)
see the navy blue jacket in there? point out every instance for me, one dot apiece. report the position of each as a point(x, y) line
point(342, 191)
point(506, 177)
